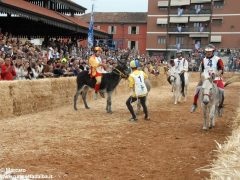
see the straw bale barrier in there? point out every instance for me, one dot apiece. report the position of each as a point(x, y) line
point(25, 97)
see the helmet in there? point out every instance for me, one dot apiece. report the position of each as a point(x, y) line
point(64, 61)
point(210, 47)
point(97, 49)
point(134, 64)
point(179, 51)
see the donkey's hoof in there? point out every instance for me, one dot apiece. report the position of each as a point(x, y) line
point(75, 108)
point(87, 107)
point(204, 128)
point(109, 112)
point(211, 126)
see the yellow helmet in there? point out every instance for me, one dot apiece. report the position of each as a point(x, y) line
point(134, 64)
point(98, 49)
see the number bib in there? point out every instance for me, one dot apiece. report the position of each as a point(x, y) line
point(140, 87)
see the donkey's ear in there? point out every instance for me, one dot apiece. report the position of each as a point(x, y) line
point(125, 56)
point(213, 76)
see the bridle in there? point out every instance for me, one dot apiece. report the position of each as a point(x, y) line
point(174, 77)
point(121, 74)
point(210, 94)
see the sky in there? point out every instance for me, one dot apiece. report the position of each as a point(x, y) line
point(114, 5)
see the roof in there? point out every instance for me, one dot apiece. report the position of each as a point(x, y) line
point(116, 17)
point(48, 14)
point(80, 22)
point(73, 5)
point(34, 9)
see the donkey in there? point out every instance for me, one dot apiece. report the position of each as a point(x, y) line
point(108, 84)
point(175, 80)
point(211, 99)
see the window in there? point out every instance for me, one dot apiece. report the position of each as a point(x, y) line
point(162, 25)
point(198, 27)
point(217, 21)
point(133, 29)
point(112, 29)
point(161, 40)
point(133, 45)
point(218, 4)
point(179, 40)
point(98, 27)
point(163, 8)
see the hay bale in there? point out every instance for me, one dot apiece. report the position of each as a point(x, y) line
point(63, 90)
point(42, 95)
point(22, 96)
point(6, 100)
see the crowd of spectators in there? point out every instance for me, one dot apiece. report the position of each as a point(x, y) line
point(65, 57)
point(56, 57)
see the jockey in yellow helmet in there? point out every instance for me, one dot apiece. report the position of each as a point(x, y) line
point(97, 68)
point(137, 84)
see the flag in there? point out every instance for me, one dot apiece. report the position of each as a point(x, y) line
point(90, 31)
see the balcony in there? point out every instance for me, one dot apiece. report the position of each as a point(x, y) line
point(199, 11)
point(191, 11)
point(186, 30)
point(181, 46)
point(186, 46)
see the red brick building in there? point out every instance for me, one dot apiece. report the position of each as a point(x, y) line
point(191, 24)
point(128, 28)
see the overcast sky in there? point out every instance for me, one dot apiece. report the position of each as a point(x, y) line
point(114, 5)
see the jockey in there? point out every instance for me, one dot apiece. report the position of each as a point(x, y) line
point(210, 63)
point(137, 83)
point(181, 66)
point(97, 68)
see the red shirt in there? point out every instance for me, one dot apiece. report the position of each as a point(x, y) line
point(8, 74)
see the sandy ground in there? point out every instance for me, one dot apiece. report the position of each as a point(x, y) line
point(90, 144)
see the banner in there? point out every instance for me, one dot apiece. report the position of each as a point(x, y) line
point(90, 31)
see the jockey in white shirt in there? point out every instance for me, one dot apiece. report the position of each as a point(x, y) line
point(215, 65)
point(181, 66)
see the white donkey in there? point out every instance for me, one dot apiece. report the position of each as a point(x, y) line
point(210, 99)
point(175, 81)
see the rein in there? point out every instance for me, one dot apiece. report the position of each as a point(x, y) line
point(122, 75)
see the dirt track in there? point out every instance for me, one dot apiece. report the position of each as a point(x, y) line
point(90, 144)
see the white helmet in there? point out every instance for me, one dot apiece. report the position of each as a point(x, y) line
point(210, 47)
point(179, 51)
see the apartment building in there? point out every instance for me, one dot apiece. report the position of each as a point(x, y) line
point(127, 28)
point(192, 24)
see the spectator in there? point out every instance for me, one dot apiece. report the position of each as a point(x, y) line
point(8, 71)
point(20, 71)
point(1, 63)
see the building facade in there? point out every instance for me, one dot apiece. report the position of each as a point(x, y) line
point(127, 28)
point(192, 24)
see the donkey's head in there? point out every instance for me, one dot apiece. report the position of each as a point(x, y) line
point(122, 65)
point(208, 88)
point(172, 74)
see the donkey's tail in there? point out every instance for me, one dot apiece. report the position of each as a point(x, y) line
point(232, 80)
